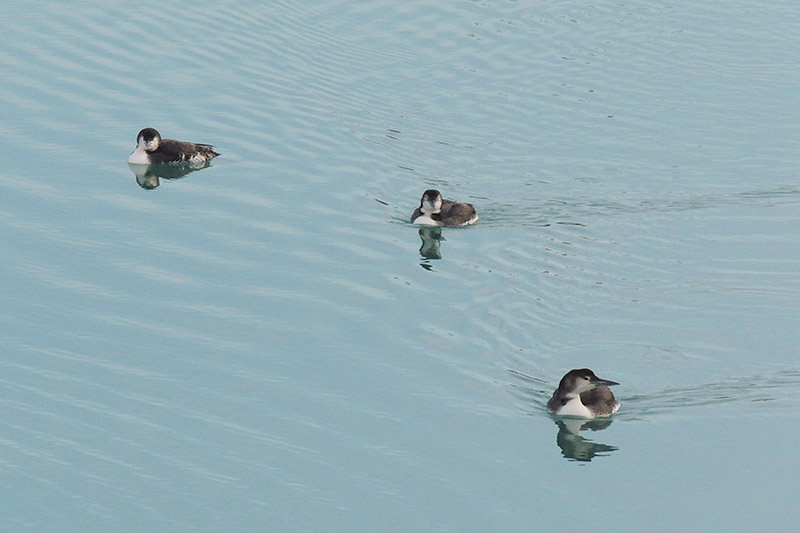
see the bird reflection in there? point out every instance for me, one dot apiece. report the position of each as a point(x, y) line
point(431, 241)
point(149, 176)
point(578, 448)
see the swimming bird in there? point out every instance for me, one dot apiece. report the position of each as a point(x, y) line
point(581, 393)
point(434, 211)
point(152, 149)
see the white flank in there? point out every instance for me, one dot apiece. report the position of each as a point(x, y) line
point(472, 220)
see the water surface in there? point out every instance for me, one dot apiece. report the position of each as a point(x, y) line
point(267, 343)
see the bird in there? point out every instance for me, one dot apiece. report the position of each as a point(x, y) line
point(581, 393)
point(152, 149)
point(434, 211)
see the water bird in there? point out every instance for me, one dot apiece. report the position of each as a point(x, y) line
point(581, 393)
point(152, 149)
point(434, 211)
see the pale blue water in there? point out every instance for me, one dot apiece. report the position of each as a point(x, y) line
point(261, 345)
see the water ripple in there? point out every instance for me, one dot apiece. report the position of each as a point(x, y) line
point(265, 326)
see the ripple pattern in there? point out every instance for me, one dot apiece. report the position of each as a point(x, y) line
point(268, 341)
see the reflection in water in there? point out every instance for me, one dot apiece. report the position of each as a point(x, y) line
point(431, 240)
point(148, 176)
point(575, 447)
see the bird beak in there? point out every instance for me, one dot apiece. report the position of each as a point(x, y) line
point(606, 382)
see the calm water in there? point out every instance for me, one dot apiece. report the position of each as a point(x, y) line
point(267, 344)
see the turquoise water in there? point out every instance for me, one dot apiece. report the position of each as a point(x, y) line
point(267, 344)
